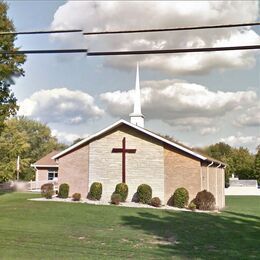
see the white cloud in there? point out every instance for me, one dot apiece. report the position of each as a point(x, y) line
point(239, 140)
point(208, 130)
point(178, 103)
point(60, 105)
point(67, 138)
point(120, 15)
point(250, 117)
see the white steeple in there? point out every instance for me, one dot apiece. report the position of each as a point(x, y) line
point(137, 117)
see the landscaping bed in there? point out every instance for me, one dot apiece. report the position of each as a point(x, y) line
point(128, 204)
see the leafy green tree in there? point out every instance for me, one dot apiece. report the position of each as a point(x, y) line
point(239, 160)
point(77, 140)
point(40, 138)
point(29, 139)
point(10, 67)
point(243, 163)
point(12, 143)
point(257, 165)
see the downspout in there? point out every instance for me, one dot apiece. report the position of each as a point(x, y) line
point(201, 179)
point(223, 189)
point(208, 175)
point(217, 183)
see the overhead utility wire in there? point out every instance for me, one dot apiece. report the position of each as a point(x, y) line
point(117, 53)
point(174, 29)
point(186, 50)
point(57, 51)
point(40, 32)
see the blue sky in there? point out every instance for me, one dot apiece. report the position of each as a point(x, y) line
point(197, 98)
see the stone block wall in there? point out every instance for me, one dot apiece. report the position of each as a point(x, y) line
point(144, 166)
point(214, 181)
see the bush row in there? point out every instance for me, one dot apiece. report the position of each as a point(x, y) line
point(47, 191)
point(204, 200)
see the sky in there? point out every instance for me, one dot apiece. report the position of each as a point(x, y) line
point(199, 99)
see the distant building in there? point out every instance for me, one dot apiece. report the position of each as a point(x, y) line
point(46, 169)
point(242, 187)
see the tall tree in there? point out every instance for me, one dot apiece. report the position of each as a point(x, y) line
point(13, 142)
point(29, 139)
point(10, 67)
point(257, 165)
point(239, 160)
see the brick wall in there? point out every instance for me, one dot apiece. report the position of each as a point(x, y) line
point(73, 169)
point(42, 174)
point(145, 166)
point(181, 170)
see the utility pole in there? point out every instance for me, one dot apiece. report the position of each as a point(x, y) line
point(18, 167)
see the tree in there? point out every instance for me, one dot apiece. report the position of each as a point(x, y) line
point(12, 143)
point(77, 140)
point(239, 160)
point(40, 138)
point(10, 67)
point(29, 139)
point(243, 163)
point(257, 165)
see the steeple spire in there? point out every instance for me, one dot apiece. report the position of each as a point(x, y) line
point(137, 117)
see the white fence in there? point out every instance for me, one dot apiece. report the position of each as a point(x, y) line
point(244, 191)
point(36, 185)
point(26, 186)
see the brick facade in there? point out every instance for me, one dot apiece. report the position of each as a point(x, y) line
point(73, 169)
point(181, 171)
point(42, 174)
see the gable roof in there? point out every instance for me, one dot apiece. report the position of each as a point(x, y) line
point(140, 129)
point(47, 160)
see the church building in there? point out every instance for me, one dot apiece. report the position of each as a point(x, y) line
point(128, 152)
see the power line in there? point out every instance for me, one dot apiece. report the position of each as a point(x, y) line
point(57, 51)
point(174, 29)
point(186, 50)
point(40, 32)
point(142, 52)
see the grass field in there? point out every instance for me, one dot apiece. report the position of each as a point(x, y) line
point(54, 230)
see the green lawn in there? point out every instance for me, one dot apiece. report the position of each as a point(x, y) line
point(54, 230)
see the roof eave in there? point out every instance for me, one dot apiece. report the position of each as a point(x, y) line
point(116, 124)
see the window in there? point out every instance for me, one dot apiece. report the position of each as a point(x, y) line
point(52, 173)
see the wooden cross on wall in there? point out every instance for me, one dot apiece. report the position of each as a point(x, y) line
point(123, 150)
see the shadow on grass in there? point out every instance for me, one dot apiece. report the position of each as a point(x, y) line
point(200, 235)
point(3, 192)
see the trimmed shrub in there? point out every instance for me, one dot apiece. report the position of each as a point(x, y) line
point(144, 193)
point(76, 197)
point(205, 200)
point(115, 198)
point(47, 190)
point(63, 191)
point(95, 191)
point(192, 205)
point(122, 189)
point(180, 198)
point(156, 202)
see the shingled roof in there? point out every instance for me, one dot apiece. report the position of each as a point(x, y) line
point(47, 160)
